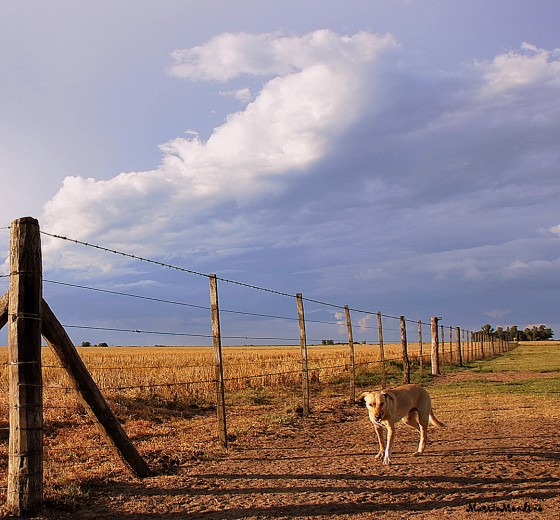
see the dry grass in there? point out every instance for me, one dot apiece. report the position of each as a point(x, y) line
point(171, 374)
point(164, 396)
point(138, 379)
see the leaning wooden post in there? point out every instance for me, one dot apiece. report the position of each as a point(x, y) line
point(459, 349)
point(4, 310)
point(304, 357)
point(404, 348)
point(435, 346)
point(95, 404)
point(352, 355)
point(218, 362)
point(421, 346)
point(25, 459)
point(381, 350)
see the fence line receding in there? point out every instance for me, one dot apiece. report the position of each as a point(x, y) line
point(316, 346)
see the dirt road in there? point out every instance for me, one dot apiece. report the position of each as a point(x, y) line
point(494, 459)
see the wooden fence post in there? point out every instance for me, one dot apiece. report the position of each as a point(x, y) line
point(421, 345)
point(435, 346)
point(442, 345)
point(352, 355)
point(381, 350)
point(25, 459)
point(450, 345)
point(218, 361)
point(304, 357)
point(459, 345)
point(404, 348)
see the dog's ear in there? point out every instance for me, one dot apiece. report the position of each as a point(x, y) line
point(387, 394)
point(361, 397)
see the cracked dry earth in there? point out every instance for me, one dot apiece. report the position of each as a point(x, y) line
point(498, 453)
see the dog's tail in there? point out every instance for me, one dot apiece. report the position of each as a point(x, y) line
point(435, 421)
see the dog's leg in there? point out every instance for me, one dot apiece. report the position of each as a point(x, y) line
point(423, 428)
point(413, 420)
point(379, 431)
point(389, 446)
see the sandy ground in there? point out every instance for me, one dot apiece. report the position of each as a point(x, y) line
point(494, 460)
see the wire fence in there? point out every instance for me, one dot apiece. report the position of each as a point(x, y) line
point(155, 388)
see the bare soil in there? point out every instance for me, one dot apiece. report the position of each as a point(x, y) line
point(496, 461)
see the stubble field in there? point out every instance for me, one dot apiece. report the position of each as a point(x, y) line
point(500, 450)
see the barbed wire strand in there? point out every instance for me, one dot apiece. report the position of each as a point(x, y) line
point(161, 300)
point(199, 273)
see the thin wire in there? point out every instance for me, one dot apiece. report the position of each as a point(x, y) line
point(244, 313)
point(158, 385)
point(198, 273)
point(159, 300)
point(110, 329)
point(163, 264)
point(128, 255)
point(187, 334)
point(317, 368)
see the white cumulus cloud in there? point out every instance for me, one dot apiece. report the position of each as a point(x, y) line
point(319, 87)
point(353, 130)
point(517, 69)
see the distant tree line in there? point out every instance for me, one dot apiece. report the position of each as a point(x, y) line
point(88, 344)
point(534, 333)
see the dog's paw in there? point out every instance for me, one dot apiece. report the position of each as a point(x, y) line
point(417, 453)
point(380, 455)
point(387, 462)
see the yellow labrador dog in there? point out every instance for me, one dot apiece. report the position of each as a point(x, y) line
point(411, 403)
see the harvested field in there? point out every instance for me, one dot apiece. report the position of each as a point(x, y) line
point(501, 451)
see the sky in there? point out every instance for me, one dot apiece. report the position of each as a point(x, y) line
point(398, 156)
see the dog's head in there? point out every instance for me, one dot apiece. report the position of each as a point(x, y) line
point(376, 403)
